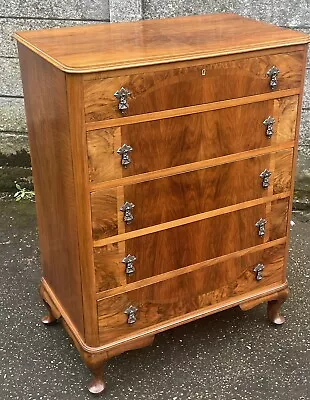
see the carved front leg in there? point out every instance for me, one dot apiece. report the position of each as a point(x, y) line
point(273, 308)
point(96, 362)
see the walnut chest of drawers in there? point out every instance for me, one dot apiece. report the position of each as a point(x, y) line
point(163, 157)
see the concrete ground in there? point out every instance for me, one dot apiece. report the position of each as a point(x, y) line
point(228, 356)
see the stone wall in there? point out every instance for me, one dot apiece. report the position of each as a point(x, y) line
point(35, 14)
point(18, 15)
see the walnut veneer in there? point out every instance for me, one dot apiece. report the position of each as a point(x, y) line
point(163, 157)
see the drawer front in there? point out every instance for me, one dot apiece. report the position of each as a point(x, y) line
point(178, 196)
point(187, 293)
point(181, 246)
point(187, 139)
point(182, 87)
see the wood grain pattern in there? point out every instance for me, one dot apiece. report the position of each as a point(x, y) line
point(182, 87)
point(181, 169)
point(188, 244)
point(50, 148)
point(199, 97)
point(279, 219)
point(298, 120)
point(101, 47)
point(186, 293)
point(190, 219)
point(175, 141)
point(188, 194)
point(82, 204)
point(128, 287)
point(111, 73)
point(281, 180)
point(199, 108)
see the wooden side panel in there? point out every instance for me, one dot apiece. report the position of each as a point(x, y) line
point(188, 244)
point(207, 287)
point(182, 140)
point(187, 86)
point(183, 195)
point(50, 148)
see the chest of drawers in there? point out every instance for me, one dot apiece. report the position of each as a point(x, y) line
point(163, 157)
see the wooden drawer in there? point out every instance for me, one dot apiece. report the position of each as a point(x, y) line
point(188, 244)
point(210, 285)
point(187, 139)
point(178, 196)
point(182, 87)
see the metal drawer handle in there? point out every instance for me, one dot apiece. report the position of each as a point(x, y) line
point(122, 95)
point(128, 261)
point(259, 271)
point(269, 122)
point(265, 175)
point(273, 75)
point(131, 314)
point(124, 153)
point(261, 224)
point(127, 210)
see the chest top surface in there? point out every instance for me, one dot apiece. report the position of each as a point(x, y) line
point(123, 45)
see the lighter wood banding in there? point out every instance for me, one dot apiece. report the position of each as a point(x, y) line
point(188, 220)
point(190, 167)
point(168, 275)
point(91, 126)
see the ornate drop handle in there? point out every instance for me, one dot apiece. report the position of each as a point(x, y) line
point(261, 224)
point(124, 153)
point(273, 75)
point(269, 122)
point(131, 314)
point(128, 261)
point(127, 210)
point(259, 271)
point(265, 175)
point(122, 95)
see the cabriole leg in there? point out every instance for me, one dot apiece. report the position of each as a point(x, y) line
point(97, 384)
point(52, 313)
point(49, 317)
point(273, 308)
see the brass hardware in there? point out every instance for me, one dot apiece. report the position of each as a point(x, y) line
point(259, 271)
point(203, 72)
point(127, 210)
point(273, 75)
point(265, 175)
point(122, 96)
point(131, 314)
point(124, 152)
point(269, 122)
point(261, 226)
point(128, 261)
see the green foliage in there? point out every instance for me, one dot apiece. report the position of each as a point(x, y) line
point(23, 193)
